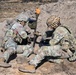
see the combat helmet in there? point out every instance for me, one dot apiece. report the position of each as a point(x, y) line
point(53, 21)
point(22, 17)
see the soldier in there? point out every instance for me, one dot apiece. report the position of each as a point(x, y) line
point(13, 36)
point(59, 45)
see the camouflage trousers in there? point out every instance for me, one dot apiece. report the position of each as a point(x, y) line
point(12, 48)
point(53, 51)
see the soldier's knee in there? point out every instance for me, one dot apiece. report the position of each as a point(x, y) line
point(43, 50)
point(11, 51)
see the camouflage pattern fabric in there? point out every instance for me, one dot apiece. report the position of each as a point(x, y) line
point(25, 50)
point(11, 35)
point(46, 51)
point(58, 35)
point(56, 46)
point(18, 28)
point(9, 41)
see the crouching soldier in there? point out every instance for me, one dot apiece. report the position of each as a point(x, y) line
point(60, 46)
point(13, 36)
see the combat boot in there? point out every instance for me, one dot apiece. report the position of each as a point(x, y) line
point(27, 69)
point(4, 64)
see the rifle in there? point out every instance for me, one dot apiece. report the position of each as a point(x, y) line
point(35, 36)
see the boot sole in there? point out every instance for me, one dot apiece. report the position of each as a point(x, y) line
point(5, 66)
point(26, 71)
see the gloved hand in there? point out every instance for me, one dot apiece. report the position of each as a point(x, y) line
point(69, 53)
point(37, 33)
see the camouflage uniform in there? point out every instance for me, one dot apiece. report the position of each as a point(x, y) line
point(16, 33)
point(61, 45)
point(56, 46)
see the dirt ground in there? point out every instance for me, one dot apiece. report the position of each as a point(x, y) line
point(65, 9)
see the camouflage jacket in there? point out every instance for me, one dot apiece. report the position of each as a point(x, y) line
point(17, 33)
point(63, 37)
